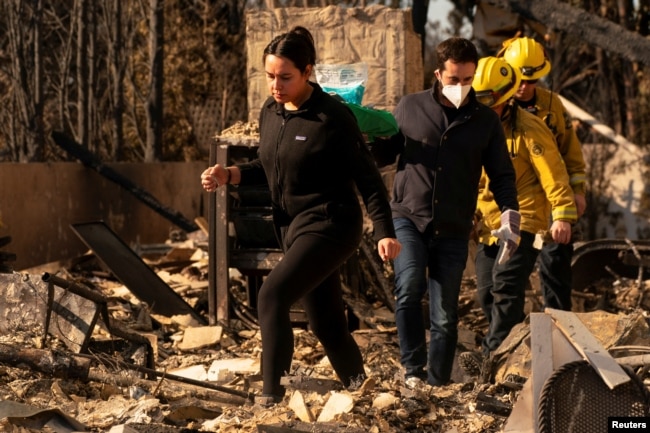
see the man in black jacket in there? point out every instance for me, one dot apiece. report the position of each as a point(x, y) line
point(446, 138)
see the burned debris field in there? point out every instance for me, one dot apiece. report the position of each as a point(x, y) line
point(82, 351)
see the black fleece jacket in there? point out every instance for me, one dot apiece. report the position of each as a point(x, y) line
point(440, 162)
point(312, 160)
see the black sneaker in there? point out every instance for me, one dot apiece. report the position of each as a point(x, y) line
point(471, 363)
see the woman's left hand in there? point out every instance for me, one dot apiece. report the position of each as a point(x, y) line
point(388, 248)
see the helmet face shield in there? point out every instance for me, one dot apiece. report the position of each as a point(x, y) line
point(491, 97)
point(495, 81)
point(487, 97)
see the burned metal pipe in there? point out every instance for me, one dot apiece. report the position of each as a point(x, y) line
point(75, 288)
point(164, 375)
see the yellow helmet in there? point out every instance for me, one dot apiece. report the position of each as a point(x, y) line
point(528, 56)
point(495, 81)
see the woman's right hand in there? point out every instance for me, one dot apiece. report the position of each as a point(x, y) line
point(214, 177)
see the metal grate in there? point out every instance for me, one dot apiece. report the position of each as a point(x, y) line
point(576, 400)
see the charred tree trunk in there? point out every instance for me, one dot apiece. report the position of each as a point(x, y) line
point(63, 59)
point(39, 85)
point(419, 13)
point(82, 74)
point(92, 60)
point(153, 149)
point(25, 70)
point(588, 26)
point(630, 83)
point(117, 71)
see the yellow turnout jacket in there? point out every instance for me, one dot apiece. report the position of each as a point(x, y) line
point(542, 179)
point(550, 109)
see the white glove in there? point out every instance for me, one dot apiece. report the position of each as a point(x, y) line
point(508, 233)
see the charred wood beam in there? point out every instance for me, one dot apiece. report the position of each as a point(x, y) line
point(490, 404)
point(77, 366)
point(91, 161)
point(166, 390)
point(45, 361)
point(164, 375)
point(590, 27)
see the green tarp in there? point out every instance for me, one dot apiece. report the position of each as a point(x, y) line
point(373, 122)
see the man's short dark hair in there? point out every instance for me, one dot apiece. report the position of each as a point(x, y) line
point(456, 49)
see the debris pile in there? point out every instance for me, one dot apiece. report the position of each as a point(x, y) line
point(80, 352)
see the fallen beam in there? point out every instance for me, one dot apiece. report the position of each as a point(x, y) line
point(91, 161)
point(164, 375)
point(77, 366)
point(48, 362)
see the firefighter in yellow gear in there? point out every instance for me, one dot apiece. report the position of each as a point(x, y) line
point(529, 57)
point(542, 189)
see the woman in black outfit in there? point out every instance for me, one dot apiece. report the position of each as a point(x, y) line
point(312, 155)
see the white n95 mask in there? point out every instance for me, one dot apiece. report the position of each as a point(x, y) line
point(456, 94)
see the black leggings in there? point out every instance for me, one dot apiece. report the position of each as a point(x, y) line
point(309, 271)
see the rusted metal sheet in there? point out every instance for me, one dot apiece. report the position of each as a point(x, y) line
point(136, 275)
point(608, 258)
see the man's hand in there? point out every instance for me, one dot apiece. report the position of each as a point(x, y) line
point(581, 204)
point(561, 232)
point(477, 225)
point(388, 248)
point(508, 233)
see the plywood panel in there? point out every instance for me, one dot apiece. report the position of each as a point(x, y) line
point(380, 36)
point(39, 201)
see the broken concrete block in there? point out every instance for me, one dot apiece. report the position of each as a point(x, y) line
point(199, 337)
point(224, 370)
point(123, 428)
point(196, 372)
point(385, 400)
point(338, 403)
point(298, 406)
point(312, 384)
